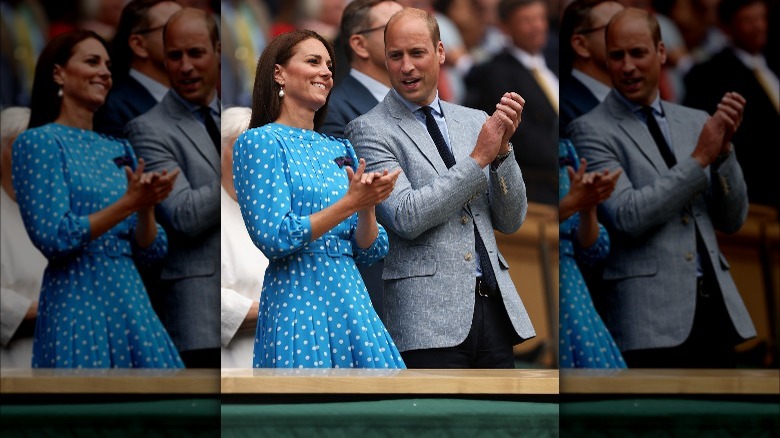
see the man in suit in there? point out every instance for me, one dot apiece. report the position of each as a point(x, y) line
point(585, 80)
point(522, 68)
point(362, 30)
point(754, 76)
point(140, 79)
point(669, 299)
point(449, 299)
point(182, 131)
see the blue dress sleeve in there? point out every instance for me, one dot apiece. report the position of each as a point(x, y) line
point(159, 248)
point(378, 249)
point(38, 172)
point(260, 179)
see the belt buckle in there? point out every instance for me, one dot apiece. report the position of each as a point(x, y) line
point(332, 246)
point(480, 291)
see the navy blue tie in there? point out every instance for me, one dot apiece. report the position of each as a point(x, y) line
point(658, 136)
point(211, 127)
point(488, 276)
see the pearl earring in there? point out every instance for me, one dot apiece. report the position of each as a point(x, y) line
point(59, 92)
point(281, 92)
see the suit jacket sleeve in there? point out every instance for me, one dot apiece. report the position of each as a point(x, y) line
point(188, 210)
point(508, 200)
point(412, 210)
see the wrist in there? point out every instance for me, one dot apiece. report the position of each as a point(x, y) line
point(502, 156)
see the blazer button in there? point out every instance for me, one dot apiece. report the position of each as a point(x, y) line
point(685, 220)
point(468, 257)
point(464, 220)
point(689, 256)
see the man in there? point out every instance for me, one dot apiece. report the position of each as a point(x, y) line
point(182, 131)
point(585, 80)
point(140, 79)
point(754, 76)
point(442, 212)
point(669, 300)
point(362, 30)
point(522, 68)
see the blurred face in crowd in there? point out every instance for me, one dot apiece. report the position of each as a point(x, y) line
point(191, 59)
point(307, 77)
point(527, 27)
point(413, 61)
point(153, 39)
point(86, 76)
point(375, 46)
point(748, 28)
point(593, 37)
point(633, 60)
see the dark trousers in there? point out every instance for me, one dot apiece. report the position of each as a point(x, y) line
point(710, 344)
point(488, 344)
point(202, 358)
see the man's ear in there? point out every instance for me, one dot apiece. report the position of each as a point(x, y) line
point(358, 45)
point(138, 46)
point(579, 45)
point(440, 52)
point(662, 52)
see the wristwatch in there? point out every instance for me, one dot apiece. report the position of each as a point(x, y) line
point(501, 157)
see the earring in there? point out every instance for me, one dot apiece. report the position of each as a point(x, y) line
point(59, 92)
point(281, 92)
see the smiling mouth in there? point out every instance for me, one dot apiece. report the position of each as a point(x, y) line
point(410, 82)
point(320, 85)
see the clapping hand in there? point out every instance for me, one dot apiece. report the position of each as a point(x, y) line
point(146, 189)
point(370, 188)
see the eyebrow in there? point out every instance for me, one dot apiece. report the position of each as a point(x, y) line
point(319, 57)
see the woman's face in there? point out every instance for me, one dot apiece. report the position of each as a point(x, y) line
point(307, 78)
point(86, 76)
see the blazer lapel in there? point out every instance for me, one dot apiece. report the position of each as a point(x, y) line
point(194, 131)
point(636, 131)
point(457, 130)
point(418, 135)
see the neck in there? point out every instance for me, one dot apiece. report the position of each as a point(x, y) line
point(149, 69)
point(593, 71)
point(296, 119)
point(374, 72)
point(75, 116)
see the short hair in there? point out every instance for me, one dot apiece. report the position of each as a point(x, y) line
point(44, 102)
point(650, 19)
point(430, 22)
point(356, 17)
point(235, 120)
point(727, 9)
point(576, 18)
point(266, 103)
point(13, 121)
point(134, 18)
point(507, 7)
point(208, 19)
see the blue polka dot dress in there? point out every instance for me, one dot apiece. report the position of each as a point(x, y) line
point(314, 308)
point(93, 310)
point(585, 341)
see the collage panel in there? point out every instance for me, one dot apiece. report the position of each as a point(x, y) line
point(395, 250)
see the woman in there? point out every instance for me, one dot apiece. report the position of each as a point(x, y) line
point(242, 264)
point(91, 216)
point(584, 339)
point(21, 264)
point(312, 215)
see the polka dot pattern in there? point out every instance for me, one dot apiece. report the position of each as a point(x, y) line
point(584, 340)
point(93, 310)
point(314, 308)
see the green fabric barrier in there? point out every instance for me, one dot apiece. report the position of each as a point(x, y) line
point(148, 419)
point(393, 418)
point(669, 418)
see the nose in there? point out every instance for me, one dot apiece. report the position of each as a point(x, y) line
point(186, 64)
point(407, 66)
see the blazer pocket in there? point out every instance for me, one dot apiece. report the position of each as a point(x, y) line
point(415, 261)
point(630, 268)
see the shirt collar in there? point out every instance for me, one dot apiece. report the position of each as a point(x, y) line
point(528, 60)
point(750, 60)
point(156, 89)
point(637, 108)
point(413, 107)
point(193, 108)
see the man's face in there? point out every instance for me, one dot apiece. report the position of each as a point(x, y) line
point(748, 28)
point(527, 27)
point(375, 41)
point(413, 61)
point(633, 60)
point(158, 16)
point(191, 60)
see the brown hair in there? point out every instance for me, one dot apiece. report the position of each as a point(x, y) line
point(266, 103)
